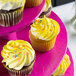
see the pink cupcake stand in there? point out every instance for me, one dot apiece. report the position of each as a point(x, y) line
point(47, 62)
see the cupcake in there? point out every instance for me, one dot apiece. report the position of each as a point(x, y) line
point(47, 9)
point(43, 34)
point(60, 71)
point(33, 3)
point(18, 57)
point(11, 12)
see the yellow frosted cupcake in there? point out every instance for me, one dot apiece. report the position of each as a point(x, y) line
point(33, 3)
point(18, 57)
point(60, 71)
point(47, 9)
point(43, 34)
point(11, 12)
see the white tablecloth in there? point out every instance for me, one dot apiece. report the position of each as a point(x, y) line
point(66, 12)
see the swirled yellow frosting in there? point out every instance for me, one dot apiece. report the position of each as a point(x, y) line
point(45, 28)
point(17, 54)
point(11, 4)
point(47, 5)
point(63, 66)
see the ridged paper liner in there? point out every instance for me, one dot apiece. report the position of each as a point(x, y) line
point(33, 3)
point(41, 45)
point(11, 18)
point(23, 72)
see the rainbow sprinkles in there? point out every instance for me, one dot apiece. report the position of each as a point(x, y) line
point(17, 52)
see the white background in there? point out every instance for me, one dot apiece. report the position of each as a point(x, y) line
point(66, 12)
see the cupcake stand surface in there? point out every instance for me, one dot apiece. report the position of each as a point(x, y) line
point(29, 15)
point(45, 63)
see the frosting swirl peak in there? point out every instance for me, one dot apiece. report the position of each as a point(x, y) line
point(47, 5)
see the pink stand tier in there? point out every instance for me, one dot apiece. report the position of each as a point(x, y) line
point(43, 72)
point(46, 63)
point(29, 15)
point(39, 67)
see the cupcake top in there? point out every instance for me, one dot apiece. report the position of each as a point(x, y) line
point(17, 54)
point(63, 66)
point(45, 28)
point(47, 5)
point(11, 4)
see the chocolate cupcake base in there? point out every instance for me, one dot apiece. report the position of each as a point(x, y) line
point(10, 18)
point(25, 71)
point(47, 13)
